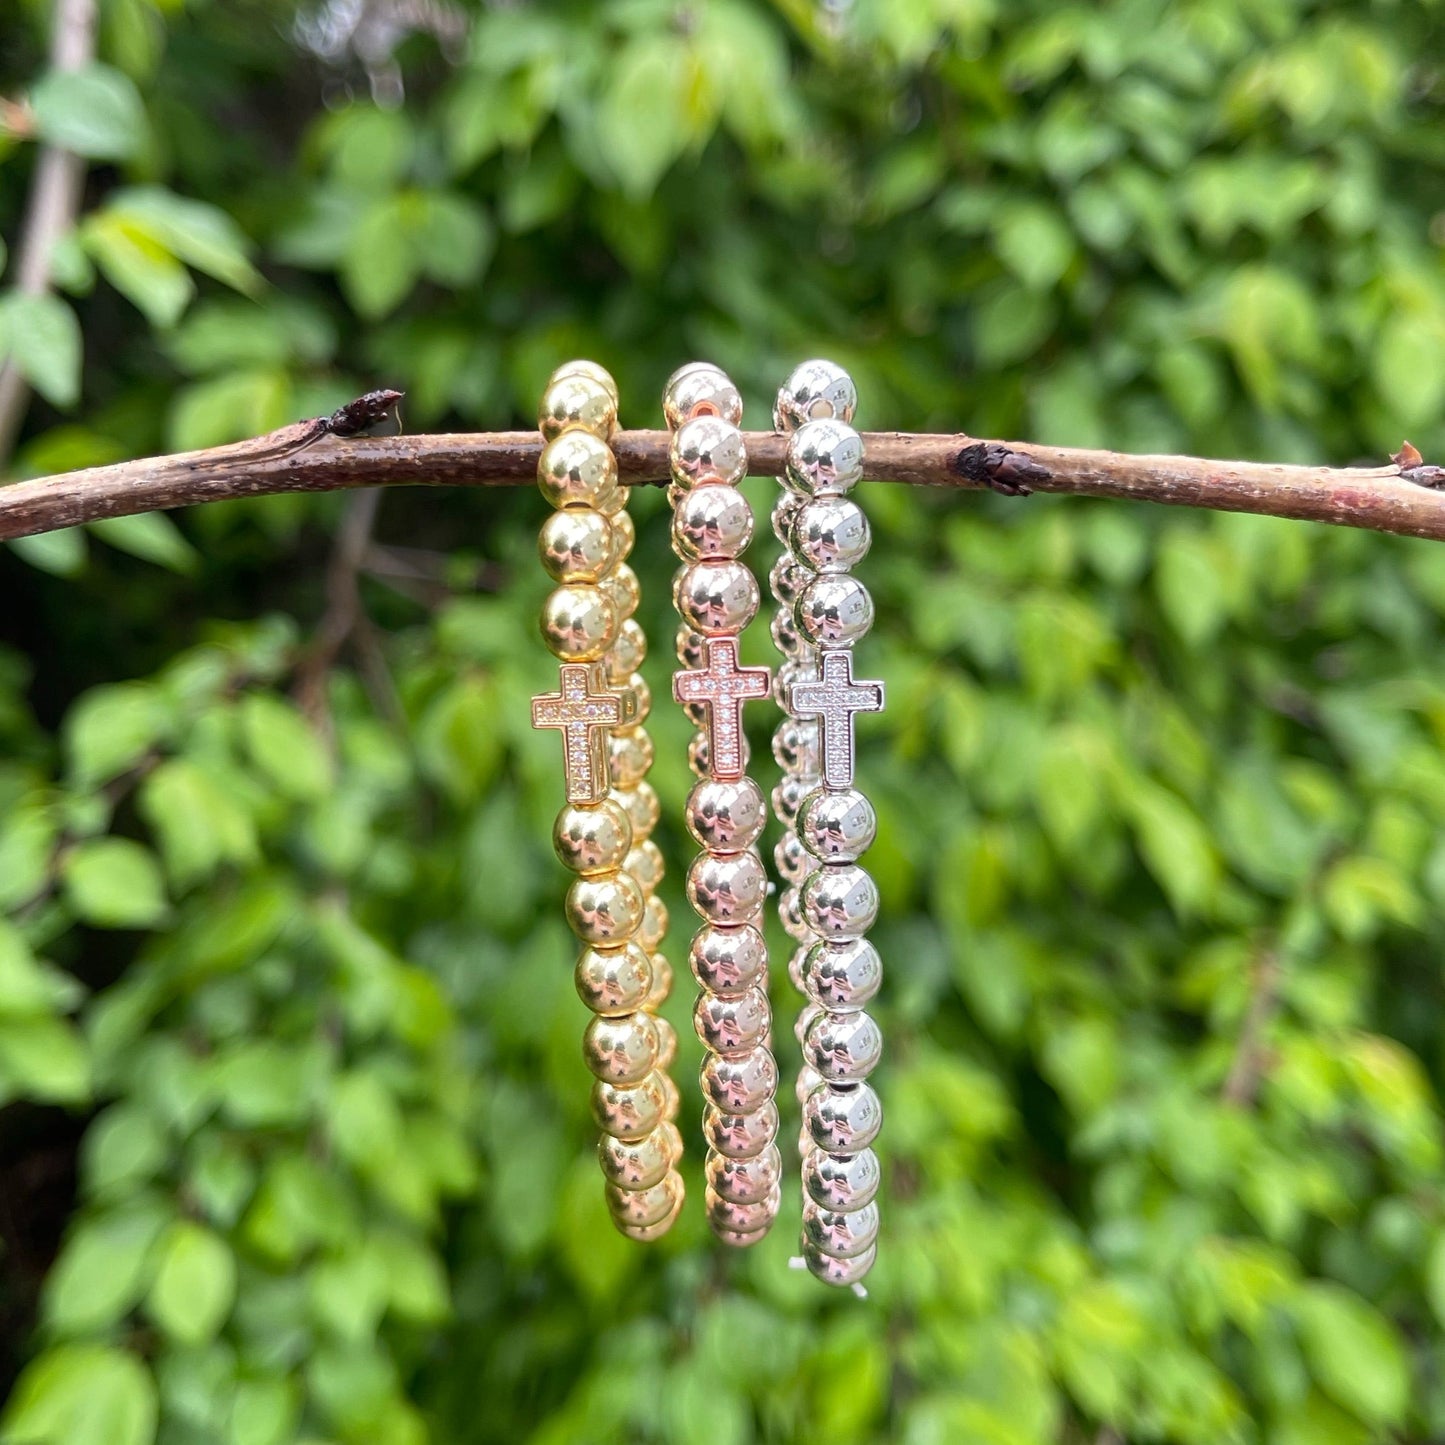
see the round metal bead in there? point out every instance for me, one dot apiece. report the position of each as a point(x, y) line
point(807, 1016)
point(726, 817)
point(622, 589)
point(642, 697)
point(783, 628)
point(646, 865)
point(732, 1024)
point(614, 981)
point(842, 977)
point(671, 1097)
point(746, 1181)
point(629, 756)
point(844, 1048)
point(741, 1084)
point(795, 966)
point(624, 533)
point(592, 838)
point(581, 402)
point(642, 808)
point(639, 1208)
point(806, 1081)
point(790, 915)
point(654, 1231)
point(605, 909)
point(621, 1050)
point(834, 610)
point(796, 745)
point(666, 1043)
point(640, 1163)
point(825, 458)
point(796, 670)
point(791, 859)
point(843, 1120)
point(727, 887)
point(630, 1111)
point(578, 470)
point(813, 390)
point(654, 924)
point(588, 369)
point(712, 521)
point(717, 598)
point(742, 1224)
point(626, 654)
point(691, 647)
point(699, 756)
point(841, 1272)
point(579, 622)
point(840, 900)
point(729, 961)
point(700, 389)
point(786, 580)
point(837, 827)
point(830, 534)
point(661, 988)
point(576, 545)
point(841, 1181)
point(841, 1236)
point(740, 1136)
point(707, 449)
point(784, 510)
point(789, 795)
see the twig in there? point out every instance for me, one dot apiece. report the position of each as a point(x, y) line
point(53, 205)
point(1375, 498)
point(1251, 1054)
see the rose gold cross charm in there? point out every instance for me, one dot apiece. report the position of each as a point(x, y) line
point(833, 699)
point(583, 710)
point(723, 686)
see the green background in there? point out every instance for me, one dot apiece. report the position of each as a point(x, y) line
point(285, 978)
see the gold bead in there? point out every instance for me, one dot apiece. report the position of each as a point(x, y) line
point(625, 655)
point(624, 533)
point(577, 545)
point(666, 1043)
point(621, 1050)
point(630, 1111)
point(630, 755)
point(588, 369)
point(645, 863)
point(654, 924)
point(643, 809)
point(579, 622)
point(671, 1097)
point(614, 981)
point(645, 1234)
point(577, 403)
point(578, 470)
point(605, 910)
point(592, 838)
point(622, 587)
point(641, 1163)
point(661, 988)
point(641, 1208)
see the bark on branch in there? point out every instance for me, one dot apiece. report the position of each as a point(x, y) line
point(1382, 499)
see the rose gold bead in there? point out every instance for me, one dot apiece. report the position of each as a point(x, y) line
point(732, 1025)
point(740, 1136)
point(729, 960)
point(700, 389)
point(742, 1084)
point(725, 816)
point(745, 1181)
point(707, 449)
point(742, 1224)
point(727, 887)
point(718, 598)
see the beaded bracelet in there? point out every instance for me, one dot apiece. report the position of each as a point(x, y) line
point(602, 832)
point(837, 968)
point(716, 597)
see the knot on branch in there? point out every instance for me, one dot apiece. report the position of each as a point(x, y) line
point(1000, 468)
point(1413, 467)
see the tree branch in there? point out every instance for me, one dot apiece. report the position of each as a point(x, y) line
point(1382, 499)
point(53, 205)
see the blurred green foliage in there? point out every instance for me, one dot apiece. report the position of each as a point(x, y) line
point(1158, 792)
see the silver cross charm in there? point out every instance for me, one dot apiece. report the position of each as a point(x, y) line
point(833, 699)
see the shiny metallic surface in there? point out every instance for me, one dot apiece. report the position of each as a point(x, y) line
point(639, 1208)
point(621, 1050)
point(830, 534)
point(629, 756)
point(624, 534)
point(729, 960)
point(842, 977)
point(639, 1163)
point(654, 924)
point(840, 1272)
point(588, 369)
point(717, 598)
point(788, 797)
point(739, 1084)
point(742, 1224)
point(629, 1112)
point(707, 449)
point(646, 865)
point(837, 827)
point(646, 1235)
point(579, 622)
point(712, 521)
point(841, 1181)
point(840, 900)
point(791, 859)
point(576, 546)
point(790, 915)
point(840, 1235)
point(825, 458)
point(732, 1024)
point(642, 808)
point(699, 754)
point(691, 647)
point(592, 838)
point(661, 989)
point(783, 628)
point(806, 1017)
point(727, 887)
point(843, 1120)
point(578, 469)
point(614, 981)
point(739, 1136)
point(576, 400)
point(605, 909)
point(834, 610)
point(622, 590)
point(845, 1047)
point(786, 580)
point(814, 390)
point(753, 1180)
point(626, 654)
point(666, 1043)
point(796, 745)
point(700, 389)
point(726, 817)
point(784, 510)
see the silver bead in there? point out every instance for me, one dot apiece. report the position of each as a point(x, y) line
point(784, 510)
point(717, 598)
point(806, 1081)
point(841, 1181)
point(629, 1111)
point(727, 887)
point(834, 610)
point(789, 674)
point(739, 1136)
point(841, 1272)
point(814, 389)
point(739, 1085)
point(843, 1120)
point(691, 648)
point(625, 655)
point(700, 389)
point(614, 981)
point(796, 743)
point(729, 961)
point(790, 915)
point(786, 580)
point(796, 960)
point(830, 534)
point(841, 1236)
point(711, 521)
point(699, 755)
point(630, 755)
point(825, 458)
point(742, 1224)
point(837, 827)
point(640, 1163)
point(789, 796)
point(621, 1050)
point(732, 1024)
point(807, 1016)
point(842, 977)
point(840, 900)
point(707, 449)
point(726, 817)
point(783, 627)
point(654, 924)
point(791, 859)
point(844, 1048)
point(639, 1208)
point(746, 1181)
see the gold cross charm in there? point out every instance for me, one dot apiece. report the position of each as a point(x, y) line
point(583, 710)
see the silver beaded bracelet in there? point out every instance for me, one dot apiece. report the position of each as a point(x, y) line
point(828, 822)
point(716, 597)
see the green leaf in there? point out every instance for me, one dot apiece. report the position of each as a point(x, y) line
point(110, 729)
point(150, 536)
point(61, 553)
point(82, 1395)
point(642, 122)
point(43, 1059)
point(125, 1147)
point(1175, 846)
point(139, 267)
point(95, 112)
point(1034, 243)
point(455, 240)
point(195, 1284)
point(264, 1412)
point(42, 337)
point(1191, 590)
point(1354, 1353)
point(200, 824)
point(101, 1272)
point(201, 235)
point(383, 261)
point(114, 883)
point(285, 747)
point(28, 989)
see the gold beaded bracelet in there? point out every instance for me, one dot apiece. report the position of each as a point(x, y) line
point(602, 832)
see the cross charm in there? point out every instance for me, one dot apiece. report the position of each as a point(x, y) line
point(724, 687)
point(583, 710)
point(833, 699)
